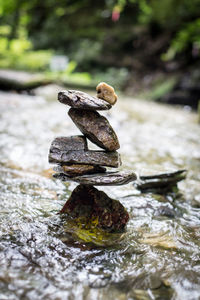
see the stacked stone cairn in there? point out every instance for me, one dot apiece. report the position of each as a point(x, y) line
point(75, 162)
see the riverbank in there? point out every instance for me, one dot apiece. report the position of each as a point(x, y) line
point(179, 89)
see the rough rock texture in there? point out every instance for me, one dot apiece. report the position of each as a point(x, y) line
point(78, 170)
point(76, 142)
point(106, 92)
point(161, 182)
point(108, 178)
point(96, 128)
point(96, 158)
point(87, 202)
point(82, 100)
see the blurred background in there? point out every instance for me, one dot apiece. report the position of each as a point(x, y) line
point(149, 49)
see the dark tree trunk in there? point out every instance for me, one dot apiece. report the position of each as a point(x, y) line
point(15, 23)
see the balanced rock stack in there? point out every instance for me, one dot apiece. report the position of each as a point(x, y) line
point(75, 162)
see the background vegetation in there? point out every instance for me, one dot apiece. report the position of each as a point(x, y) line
point(120, 41)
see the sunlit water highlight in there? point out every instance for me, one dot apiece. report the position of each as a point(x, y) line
point(159, 255)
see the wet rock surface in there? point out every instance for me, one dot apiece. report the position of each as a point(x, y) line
point(96, 128)
point(74, 170)
point(108, 178)
point(89, 203)
point(76, 142)
point(81, 100)
point(96, 158)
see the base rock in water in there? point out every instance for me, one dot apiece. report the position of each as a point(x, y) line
point(88, 203)
point(108, 178)
point(96, 128)
point(82, 100)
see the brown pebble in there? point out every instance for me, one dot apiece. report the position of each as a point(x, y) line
point(106, 92)
point(78, 169)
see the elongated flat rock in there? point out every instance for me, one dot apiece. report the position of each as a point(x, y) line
point(174, 175)
point(96, 128)
point(96, 158)
point(77, 170)
point(82, 100)
point(75, 142)
point(160, 182)
point(108, 178)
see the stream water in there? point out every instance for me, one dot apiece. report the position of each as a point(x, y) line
point(159, 256)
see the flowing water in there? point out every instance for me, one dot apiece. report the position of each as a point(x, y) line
point(159, 256)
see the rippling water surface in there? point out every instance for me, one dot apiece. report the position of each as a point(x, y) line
point(159, 257)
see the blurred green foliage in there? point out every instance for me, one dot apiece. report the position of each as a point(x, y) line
point(106, 39)
point(19, 55)
point(162, 87)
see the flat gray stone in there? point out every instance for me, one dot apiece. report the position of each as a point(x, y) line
point(96, 158)
point(75, 142)
point(174, 175)
point(108, 178)
point(96, 128)
point(81, 100)
point(160, 183)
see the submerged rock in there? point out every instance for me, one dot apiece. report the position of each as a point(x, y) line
point(106, 92)
point(75, 170)
point(161, 182)
point(75, 142)
point(87, 235)
point(82, 100)
point(108, 178)
point(96, 158)
point(166, 211)
point(160, 239)
point(89, 204)
point(96, 128)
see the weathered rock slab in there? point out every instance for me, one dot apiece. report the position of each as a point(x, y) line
point(96, 128)
point(78, 170)
point(162, 182)
point(81, 100)
point(96, 158)
point(108, 178)
point(88, 203)
point(75, 142)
